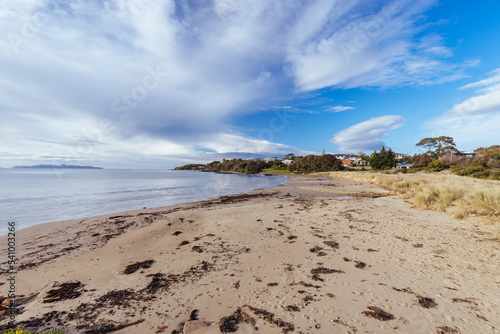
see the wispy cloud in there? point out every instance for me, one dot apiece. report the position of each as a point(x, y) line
point(487, 97)
point(376, 48)
point(340, 108)
point(367, 135)
point(474, 121)
point(176, 73)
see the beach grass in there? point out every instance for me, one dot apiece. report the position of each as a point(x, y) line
point(461, 196)
point(276, 171)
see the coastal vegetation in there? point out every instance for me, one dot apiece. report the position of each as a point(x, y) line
point(438, 146)
point(315, 163)
point(441, 155)
point(386, 159)
point(307, 164)
point(483, 163)
point(237, 166)
point(439, 191)
point(191, 167)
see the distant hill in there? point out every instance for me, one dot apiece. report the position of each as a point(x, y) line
point(59, 167)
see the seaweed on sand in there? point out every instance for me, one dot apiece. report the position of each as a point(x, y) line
point(64, 292)
point(132, 268)
point(426, 302)
point(378, 314)
point(333, 244)
point(322, 270)
point(230, 323)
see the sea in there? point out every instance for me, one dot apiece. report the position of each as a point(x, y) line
point(31, 196)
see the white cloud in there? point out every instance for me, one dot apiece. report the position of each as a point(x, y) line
point(487, 99)
point(340, 108)
point(494, 77)
point(365, 136)
point(473, 123)
point(82, 63)
point(375, 49)
point(469, 131)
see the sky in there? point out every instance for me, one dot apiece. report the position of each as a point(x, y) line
point(157, 84)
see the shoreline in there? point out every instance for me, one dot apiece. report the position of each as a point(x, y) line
point(313, 259)
point(97, 215)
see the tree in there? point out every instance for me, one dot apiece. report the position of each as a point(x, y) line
point(316, 163)
point(438, 146)
point(383, 160)
point(421, 160)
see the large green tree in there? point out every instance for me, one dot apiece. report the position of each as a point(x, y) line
point(438, 146)
point(316, 163)
point(384, 160)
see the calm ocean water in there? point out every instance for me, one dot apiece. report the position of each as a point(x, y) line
point(34, 196)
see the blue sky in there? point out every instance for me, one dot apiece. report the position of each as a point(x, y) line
point(155, 84)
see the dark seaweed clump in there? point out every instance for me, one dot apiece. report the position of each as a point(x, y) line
point(132, 268)
point(197, 249)
point(378, 314)
point(426, 302)
point(270, 318)
point(321, 270)
point(446, 329)
point(333, 244)
point(360, 264)
point(64, 292)
point(230, 323)
point(109, 327)
point(315, 249)
point(292, 308)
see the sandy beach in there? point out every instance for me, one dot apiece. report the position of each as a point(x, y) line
point(303, 257)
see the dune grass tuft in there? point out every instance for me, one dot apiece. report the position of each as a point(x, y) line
point(439, 191)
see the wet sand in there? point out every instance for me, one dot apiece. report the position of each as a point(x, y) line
point(302, 257)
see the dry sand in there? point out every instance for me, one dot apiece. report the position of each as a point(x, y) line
point(293, 258)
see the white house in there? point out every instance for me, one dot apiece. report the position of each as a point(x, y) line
point(404, 165)
point(400, 156)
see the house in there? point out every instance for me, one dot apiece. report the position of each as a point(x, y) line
point(400, 156)
point(347, 162)
point(359, 162)
point(468, 154)
point(286, 162)
point(341, 156)
point(404, 165)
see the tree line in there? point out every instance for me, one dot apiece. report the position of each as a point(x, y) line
point(301, 164)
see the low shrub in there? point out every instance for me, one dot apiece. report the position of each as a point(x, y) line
point(469, 170)
point(435, 166)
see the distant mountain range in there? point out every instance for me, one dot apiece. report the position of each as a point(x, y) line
point(59, 167)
